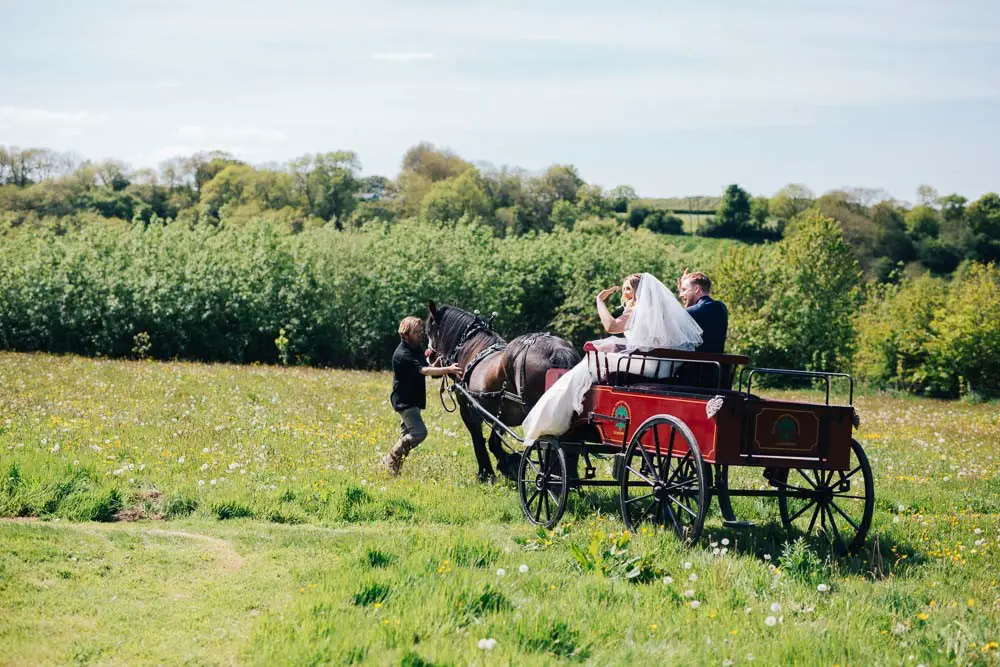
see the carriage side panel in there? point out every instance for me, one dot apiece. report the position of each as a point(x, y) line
point(633, 408)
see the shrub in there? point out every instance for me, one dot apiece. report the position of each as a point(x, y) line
point(792, 304)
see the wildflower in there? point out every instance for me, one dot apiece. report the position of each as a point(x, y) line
point(822, 588)
point(971, 602)
point(689, 593)
point(204, 450)
point(201, 482)
point(923, 616)
point(180, 460)
point(725, 541)
point(523, 569)
point(213, 482)
point(770, 621)
point(898, 629)
point(487, 644)
point(668, 580)
point(693, 577)
point(687, 565)
point(204, 467)
point(775, 607)
point(767, 556)
point(695, 604)
point(501, 572)
point(652, 626)
point(977, 531)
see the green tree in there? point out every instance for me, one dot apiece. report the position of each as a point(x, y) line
point(620, 198)
point(984, 222)
point(329, 183)
point(792, 304)
point(923, 222)
point(463, 196)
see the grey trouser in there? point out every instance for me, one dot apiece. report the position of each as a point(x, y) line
point(411, 428)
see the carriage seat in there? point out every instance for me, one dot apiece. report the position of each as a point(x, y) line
point(699, 371)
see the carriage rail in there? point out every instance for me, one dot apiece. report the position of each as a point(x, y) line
point(817, 375)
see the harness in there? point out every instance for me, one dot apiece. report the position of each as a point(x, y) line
point(476, 326)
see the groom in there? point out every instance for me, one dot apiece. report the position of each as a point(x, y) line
point(711, 315)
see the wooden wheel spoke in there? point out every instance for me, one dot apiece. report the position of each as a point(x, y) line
point(812, 522)
point(801, 511)
point(846, 518)
point(685, 484)
point(533, 466)
point(683, 506)
point(807, 478)
point(836, 532)
point(638, 498)
point(846, 476)
point(685, 461)
point(538, 511)
point(548, 507)
point(640, 475)
point(673, 518)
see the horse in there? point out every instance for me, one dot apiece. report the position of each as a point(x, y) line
point(507, 379)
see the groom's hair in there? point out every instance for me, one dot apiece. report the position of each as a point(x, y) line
point(701, 280)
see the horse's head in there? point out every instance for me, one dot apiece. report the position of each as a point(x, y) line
point(432, 328)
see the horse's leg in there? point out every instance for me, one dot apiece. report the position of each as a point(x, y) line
point(506, 463)
point(475, 425)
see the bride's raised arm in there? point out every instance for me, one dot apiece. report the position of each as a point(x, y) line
point(612, 324)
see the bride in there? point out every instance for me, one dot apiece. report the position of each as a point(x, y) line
point(652, 318)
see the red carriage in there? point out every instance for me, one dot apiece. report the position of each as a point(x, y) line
point(674, 440)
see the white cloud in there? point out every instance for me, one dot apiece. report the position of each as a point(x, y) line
point(168, 84)
point(403, 57)
point(229, 133)
point(48, 117)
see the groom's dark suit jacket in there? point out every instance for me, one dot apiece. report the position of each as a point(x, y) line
point(713, 318)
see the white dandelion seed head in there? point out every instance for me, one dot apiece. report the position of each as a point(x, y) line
point(214, 482)
point(487, 644)
point(822, 588)
point(668, 580)
point(770, 621)
point(201, 482)
point(687, 565)
point(693, 577)
point(695, 604)
point(501, 572)
point(767, 556)
point(523, 569)
point(977, 531)
point(725, 541)
point(689, 593)
point(775, 607)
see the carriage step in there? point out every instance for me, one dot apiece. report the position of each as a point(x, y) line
point(738, 524)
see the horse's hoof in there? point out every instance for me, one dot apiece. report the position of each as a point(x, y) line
point(486, 477)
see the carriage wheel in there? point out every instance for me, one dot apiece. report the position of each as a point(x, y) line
point(663, 480)
point(839, 504)
point(542, 482)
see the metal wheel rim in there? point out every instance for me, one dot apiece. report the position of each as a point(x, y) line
point(835, 506)
point(542, 483)
point(672, 491)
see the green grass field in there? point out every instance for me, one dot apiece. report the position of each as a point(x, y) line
point(184, 513)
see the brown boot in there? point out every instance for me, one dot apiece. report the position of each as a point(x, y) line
point(393, 461)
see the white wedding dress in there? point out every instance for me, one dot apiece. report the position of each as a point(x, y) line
point(658, 321)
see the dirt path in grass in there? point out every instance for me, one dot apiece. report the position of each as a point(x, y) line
point(222, 551)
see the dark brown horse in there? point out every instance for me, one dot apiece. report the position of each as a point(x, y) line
point(507, 379)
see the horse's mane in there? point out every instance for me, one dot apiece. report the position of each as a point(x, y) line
point(452, 322)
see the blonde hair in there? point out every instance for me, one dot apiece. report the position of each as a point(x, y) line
point(701, 280)
point(409, 325)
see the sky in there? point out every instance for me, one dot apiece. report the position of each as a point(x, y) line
point(673, 98)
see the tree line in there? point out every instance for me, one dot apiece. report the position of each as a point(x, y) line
point(889, 238)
